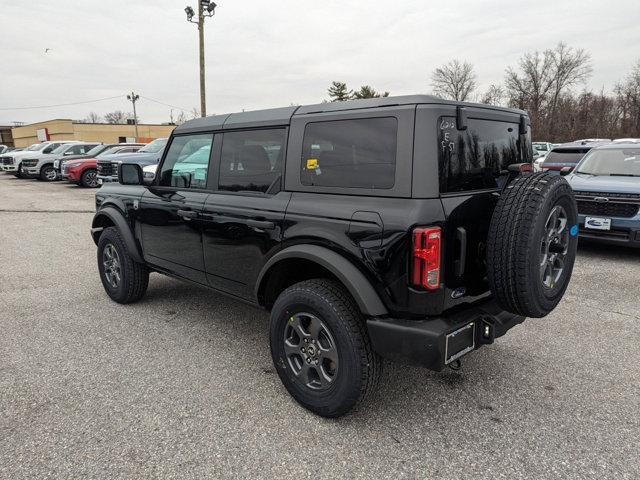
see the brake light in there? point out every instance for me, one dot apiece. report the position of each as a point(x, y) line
point(426, 257)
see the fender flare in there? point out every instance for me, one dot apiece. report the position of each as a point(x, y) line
point(353, 279)
point(123, 227)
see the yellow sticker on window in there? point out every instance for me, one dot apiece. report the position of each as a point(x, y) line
point(312, 163)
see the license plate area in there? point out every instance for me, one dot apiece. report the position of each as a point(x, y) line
point(459, 343)
point(597, 223)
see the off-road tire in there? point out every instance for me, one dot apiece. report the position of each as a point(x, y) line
point(134, 276)
point(359, 366)
point(517, 234)
point(84, 181)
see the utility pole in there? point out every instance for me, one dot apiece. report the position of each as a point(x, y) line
point(133, 98)
point(206, 8)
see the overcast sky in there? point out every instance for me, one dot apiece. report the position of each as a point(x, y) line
point(270, 53)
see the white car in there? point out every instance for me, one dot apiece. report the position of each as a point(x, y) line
point(12, 162)
point(42, 166)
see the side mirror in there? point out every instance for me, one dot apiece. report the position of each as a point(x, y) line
point(130, 174)
point(566, 171)
point(68, 152)
point(47, 150)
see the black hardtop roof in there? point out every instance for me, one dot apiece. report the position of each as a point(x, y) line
point(282, 116)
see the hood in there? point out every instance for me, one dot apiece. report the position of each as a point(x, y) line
point(604, 184)
point(141, 158)
point(72, 157)
point(21, 154)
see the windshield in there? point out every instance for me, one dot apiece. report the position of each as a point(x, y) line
point(60, 149)
point(155, 146)
point(612, 161)
point(109, 151)
point(95, 150)
point(36, 147)
point(566, 156)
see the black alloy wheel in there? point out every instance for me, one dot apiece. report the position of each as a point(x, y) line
point(311, 351)
point(554, 247)
point(111, 265)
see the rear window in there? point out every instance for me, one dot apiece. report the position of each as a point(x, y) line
point(359, 153)
point(565, 156)
point(475, 158)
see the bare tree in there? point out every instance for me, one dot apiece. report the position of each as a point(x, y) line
point(543, 78)
point(570, 67)
point(93, 117)
point(493, 96)
point(628, 99)
point(117, 117)
point(455, 80)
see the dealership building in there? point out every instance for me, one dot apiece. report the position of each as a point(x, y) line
point(64, 129)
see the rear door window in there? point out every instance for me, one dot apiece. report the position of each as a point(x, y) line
point(474, 159)
point(252, 160)
point(358, 153)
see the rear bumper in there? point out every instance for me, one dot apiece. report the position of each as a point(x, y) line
point(438, 341)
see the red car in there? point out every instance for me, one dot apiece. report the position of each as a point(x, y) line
point(83, 171)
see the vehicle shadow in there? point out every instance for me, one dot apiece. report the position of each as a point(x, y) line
point(601, 251)
point(405, 392)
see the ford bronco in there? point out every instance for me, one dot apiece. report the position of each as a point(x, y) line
point(407, 228)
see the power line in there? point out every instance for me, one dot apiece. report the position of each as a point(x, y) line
point(64, 104)
point(165, 104)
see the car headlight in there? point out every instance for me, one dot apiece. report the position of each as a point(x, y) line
point(74, 165)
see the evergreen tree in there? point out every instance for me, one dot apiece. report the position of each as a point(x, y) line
point(367, 91)
point(338, 92)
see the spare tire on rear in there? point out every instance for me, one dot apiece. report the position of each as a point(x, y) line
point(532, 242)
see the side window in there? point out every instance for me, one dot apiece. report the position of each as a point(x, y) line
point(80, 149)
point(187, 162)
point(251, 160)
point(359, 153)
point(473, 159)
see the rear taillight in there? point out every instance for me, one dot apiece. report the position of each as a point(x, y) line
point(426, 257)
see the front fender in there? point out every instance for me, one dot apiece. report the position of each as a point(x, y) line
point(116, 217)
point(353, 279)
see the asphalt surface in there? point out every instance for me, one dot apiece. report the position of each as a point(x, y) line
point(181, 384)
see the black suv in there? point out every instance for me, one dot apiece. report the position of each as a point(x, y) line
point(406, 228)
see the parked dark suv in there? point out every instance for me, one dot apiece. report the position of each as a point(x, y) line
point(405, 228)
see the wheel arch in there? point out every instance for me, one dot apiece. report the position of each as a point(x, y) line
point(112, 217)
point(310, 261)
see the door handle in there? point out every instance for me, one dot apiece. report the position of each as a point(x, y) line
point(187, 214)
point(261, 224)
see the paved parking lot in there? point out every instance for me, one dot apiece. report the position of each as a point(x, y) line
point(181, 385)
